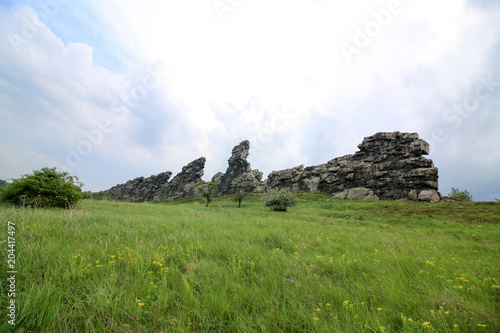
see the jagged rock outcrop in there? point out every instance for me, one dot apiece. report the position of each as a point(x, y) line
point(388, 166)
point(158, 187)
point(239, 176)
point(140, 189)
point(185, 183)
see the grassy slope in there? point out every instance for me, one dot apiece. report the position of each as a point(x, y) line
point(325, 265)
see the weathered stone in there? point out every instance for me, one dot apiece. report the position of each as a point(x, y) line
point(239, 176)
point(217, 178)
point(388, 164)
point(140, 189)
point(357, 193)
point(429, 195)
point(158, 187)
point(185, 183)
point(286, 179)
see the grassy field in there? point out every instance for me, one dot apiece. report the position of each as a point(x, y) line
point(324, 266)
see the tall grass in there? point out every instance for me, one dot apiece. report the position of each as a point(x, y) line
point(324, 266)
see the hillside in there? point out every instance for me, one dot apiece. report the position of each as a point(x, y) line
point(326, 265)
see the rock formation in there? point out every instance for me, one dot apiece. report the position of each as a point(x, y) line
point(388, 166)
point(140, 189)
point(239, 175)
point(185, 183)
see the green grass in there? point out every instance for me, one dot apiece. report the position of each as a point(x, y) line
point(324, 266)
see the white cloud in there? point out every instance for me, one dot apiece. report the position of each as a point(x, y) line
point(225, 77)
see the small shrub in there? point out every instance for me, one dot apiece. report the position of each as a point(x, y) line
point(44, 188)
point(208, 191)
point(460, 195)
point(94, 196)
point(279, 200)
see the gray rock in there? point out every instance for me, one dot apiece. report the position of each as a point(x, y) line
point(429, 196)
point(217, 178)
point(158, 187)
point(391, 165)
point(186, 182)
point(140, 189)
point(239, 176)
point(388, 166)
point(356, 193)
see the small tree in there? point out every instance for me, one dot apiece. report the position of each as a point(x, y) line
point(44, 188)
point(240, 195)
point(460, 195)
point(208, 191)
point(279, 200)
point(240, 192)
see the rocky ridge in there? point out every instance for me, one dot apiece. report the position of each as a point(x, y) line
point(139, 189)
point(388, 166)
point(185, 183)
point(157, 187)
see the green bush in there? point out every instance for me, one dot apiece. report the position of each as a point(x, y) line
point(3, 184)
point(460, 195)
point(44, 188)
point(279, 200)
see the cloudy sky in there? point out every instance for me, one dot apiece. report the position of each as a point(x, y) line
point(113, 90)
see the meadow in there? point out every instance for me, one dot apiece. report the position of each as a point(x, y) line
point(324, 266)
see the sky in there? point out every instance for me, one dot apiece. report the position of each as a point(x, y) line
point(110, 91)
